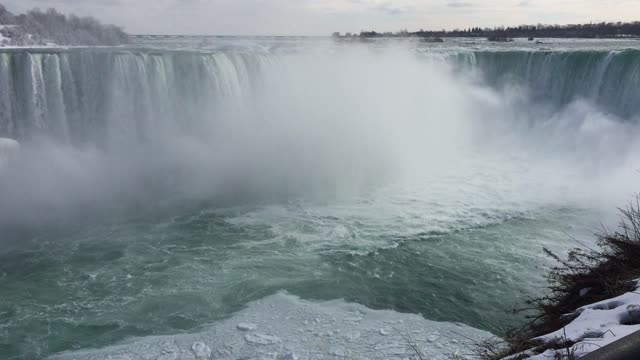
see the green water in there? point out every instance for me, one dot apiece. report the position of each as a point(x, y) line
point(95, 286)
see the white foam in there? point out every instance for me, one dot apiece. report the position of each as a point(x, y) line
point(291, 328)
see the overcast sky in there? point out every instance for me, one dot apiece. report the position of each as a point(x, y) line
point(321, 17)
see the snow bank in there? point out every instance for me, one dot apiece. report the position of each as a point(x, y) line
point(283, 327)
point(597, 325)
point(2, 37)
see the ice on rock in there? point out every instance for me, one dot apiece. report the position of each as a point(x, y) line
point(261, 339)
point(247, 327)
point(201, 350)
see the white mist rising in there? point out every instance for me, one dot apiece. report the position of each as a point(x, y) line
point(309, 124)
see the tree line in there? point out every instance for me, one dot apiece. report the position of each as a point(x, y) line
point(591, 30)
point(38, 27)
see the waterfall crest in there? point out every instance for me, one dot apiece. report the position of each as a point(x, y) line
point(608, 79)
point(106, 97)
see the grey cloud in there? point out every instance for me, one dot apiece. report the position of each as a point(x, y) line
point(391, 10)
point(53, 3)
point(459, 4)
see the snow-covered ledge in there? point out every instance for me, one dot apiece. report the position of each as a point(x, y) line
point(596, 326)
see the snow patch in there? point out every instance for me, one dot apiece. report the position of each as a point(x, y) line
point(596, 326)
point(3, 39)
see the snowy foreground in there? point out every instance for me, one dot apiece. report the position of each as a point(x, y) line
point(284, 327)
point(597, 325)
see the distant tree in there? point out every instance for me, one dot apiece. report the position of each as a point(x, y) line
point(501, 33)
point(38, 27)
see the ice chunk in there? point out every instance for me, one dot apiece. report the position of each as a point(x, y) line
point(261, 339)
point(201, 350)
point(289, 356)
point(168, 356)
point(247, 327)
point(340, 352)
point(352, 336)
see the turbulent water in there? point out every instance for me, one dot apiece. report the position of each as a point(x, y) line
point(163, 187)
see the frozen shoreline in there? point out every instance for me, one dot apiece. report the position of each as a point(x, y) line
point(285, 327)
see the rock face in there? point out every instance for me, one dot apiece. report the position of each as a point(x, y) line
point(283, 327)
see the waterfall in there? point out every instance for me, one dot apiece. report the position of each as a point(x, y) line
point(114, 97)
point(609, 79)
point(111, 97)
